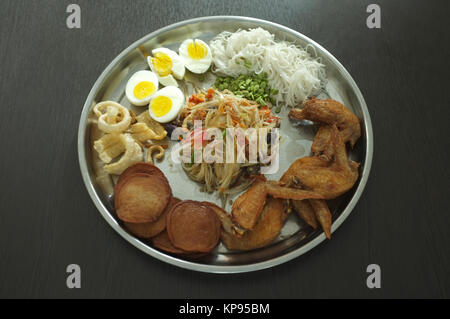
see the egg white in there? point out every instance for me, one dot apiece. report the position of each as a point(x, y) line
point(138, 77)
point(196, 66)
point(178, 67)
point(177, 98)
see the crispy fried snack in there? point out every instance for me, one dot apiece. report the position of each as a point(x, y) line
point(140, 167)
point(247, 208)
point(150, 230)
point(329, 179)
point(141, 132)
point(266, 230)
point(156, 130)
point(109, 147)
point(141, 197)
point(112, 117)
point(193, 227)
point(329, 112)
point(162, 242)
point(155, 148)
point(306, 212)
point(133, 154)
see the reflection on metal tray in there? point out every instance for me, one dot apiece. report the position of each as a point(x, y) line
point(296, 238)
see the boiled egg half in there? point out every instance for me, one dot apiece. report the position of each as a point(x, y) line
point(166, 104)
point(197, 55)
point(167, 65)
point(141, 87)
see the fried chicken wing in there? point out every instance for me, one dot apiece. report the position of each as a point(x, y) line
point(329, 112)
point(246, 210)
point(278, 190)
point(306, 212)
point(226, 221)
point(266, 230)
point(322, 145)
point(329, 179)
point(323, 215)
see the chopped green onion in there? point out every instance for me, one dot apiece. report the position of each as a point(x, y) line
point(251, 86)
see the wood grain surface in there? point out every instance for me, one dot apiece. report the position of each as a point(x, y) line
point(47, 220)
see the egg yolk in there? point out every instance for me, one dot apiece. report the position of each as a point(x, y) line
point(144, 89)
point(163, 64)
point(161, 105)
point(197, 51)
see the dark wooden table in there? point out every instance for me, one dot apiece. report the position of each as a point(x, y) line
point(47, 220)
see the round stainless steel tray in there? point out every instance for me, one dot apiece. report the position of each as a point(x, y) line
point(296, 238)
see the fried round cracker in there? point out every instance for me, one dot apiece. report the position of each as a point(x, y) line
point(142, 198)
point(193, 227)
point(162, 242)
point(150, 230)
point(138, 168)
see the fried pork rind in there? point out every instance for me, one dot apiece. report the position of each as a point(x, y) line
point(112, 117)
point(153, 149)
point(150, 230)
point(133, 154)
point(155, 130)
point(266, 230)
point(109, 147)
point(193, 227)
point(142, 133)
point(141, 197)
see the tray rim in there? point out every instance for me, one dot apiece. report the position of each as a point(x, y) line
point(223, 269)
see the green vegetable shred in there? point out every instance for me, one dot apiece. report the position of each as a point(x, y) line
point(253, 87)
